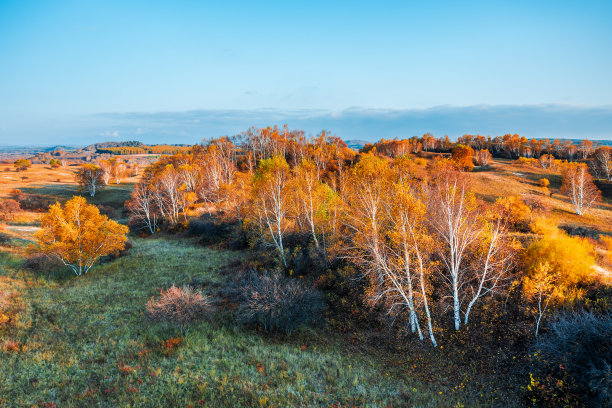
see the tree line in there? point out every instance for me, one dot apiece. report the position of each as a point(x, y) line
point(155, 149)
point(541, 152)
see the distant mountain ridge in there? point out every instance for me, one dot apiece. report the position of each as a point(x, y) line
point(356, 144)
point(105, 145)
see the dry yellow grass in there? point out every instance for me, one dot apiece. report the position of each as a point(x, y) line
point(44, 180)
point(507, 178)
point(38, 174)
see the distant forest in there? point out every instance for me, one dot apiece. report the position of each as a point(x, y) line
point(157, 149)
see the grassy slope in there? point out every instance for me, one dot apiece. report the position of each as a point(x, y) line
point(76, 333)
point(506, 178)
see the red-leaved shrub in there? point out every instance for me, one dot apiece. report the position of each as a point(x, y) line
point(180, 306)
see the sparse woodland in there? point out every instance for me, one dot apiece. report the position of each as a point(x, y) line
point(393, 248)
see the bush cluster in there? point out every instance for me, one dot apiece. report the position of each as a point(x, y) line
point(4, 239)
point(8, 209)
point(41, 263)
point(580, 344)
point(34, 202)
point(275, 303)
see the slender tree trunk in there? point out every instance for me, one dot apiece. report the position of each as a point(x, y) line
point(456, 309)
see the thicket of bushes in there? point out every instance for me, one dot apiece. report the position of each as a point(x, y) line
point(274, 302)
point(575, 358)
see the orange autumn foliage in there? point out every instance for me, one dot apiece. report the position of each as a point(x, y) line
point(463, 156)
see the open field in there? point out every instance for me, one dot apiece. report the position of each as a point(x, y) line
point(58, 184)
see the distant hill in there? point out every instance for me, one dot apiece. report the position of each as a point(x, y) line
point(356, 144)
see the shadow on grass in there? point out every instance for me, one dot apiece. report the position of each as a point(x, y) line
point(114, 195)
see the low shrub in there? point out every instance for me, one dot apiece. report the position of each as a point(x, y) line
point(209, 229)
point(579, 346)
point(607, 243)
point(276, 303)
point(419, 161)
point(34, 202)
point(581, 231)
point(106, 210)
point(124, 252)
point(8, 309)
point(41, 263)
point(4, 239)
point(8, 209)
point(180, 306)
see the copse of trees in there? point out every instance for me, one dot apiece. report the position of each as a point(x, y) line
point(542, 152)
point(113, 169)
point(601, 163)
point(431, 253)
point(422, 242)
point(22, 164)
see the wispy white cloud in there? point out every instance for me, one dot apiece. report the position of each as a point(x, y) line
point(553, 121)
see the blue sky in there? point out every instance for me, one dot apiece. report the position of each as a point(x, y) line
point(64, 62)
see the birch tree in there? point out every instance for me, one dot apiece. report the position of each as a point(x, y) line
point(454, 220)
point(90, 178)
point(579, 187)
point(143, 206)
point(106, 167)
point(409, 243)
point(602, 163)
point(495, 260)
point(541, 289)
point(309, 197)
point(271, 201)
point(168, 192)
point(367, 184)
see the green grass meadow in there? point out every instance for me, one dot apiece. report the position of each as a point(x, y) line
point(84, 342)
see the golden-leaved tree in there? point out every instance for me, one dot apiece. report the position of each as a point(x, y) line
point(78, 235)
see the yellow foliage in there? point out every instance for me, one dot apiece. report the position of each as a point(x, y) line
point(512, 208)
point(544, 226)
point(607, 241)
point(569, 259)
point(78, 234)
